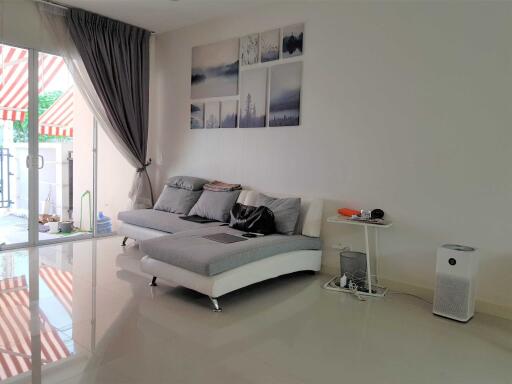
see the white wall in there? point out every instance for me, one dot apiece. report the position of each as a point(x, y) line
point(406, 107)
point(20, 25)
point(115, 177)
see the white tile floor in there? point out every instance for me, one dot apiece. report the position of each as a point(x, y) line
point(287, 330)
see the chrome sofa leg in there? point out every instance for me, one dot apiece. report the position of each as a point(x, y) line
point(216, 306)
point(123, 244)
point(153, 282)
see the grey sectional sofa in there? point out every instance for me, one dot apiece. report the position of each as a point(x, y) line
point(177, 251)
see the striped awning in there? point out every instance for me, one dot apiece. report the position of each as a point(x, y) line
point(15, 339)
point(14, 79)
point(58, 119)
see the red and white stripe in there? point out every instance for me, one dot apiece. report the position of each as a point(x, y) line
point(60, 283)
point(15, 339)
point(14, 79)
point(58, 119)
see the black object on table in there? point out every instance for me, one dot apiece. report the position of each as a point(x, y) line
point(198, 219)
point(225, 238)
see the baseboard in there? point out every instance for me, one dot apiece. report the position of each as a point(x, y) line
point(398, 286)
point(502, 311)
point(481, 306)
point(428, 294)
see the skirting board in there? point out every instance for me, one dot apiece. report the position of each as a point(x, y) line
point(428, 294)
point(502, 311)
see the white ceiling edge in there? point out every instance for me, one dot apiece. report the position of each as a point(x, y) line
point(162, 16)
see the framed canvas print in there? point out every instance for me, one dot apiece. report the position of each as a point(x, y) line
point(211, 114)
point(196, 115)
point(269, 45)
point(249, 49)
point(285, 90)
point(229, 114)
point(293, 40)
point(253, 98)
point(215, 70)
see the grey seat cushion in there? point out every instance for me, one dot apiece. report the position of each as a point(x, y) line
point(191, 251)
point(160, 220)
point(177, 200)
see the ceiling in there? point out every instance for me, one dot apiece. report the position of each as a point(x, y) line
point(165, 15)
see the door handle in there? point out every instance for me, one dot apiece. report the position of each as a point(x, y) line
point(42, 162)
point(27, 159)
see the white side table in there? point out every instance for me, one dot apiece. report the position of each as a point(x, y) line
point(373, 289)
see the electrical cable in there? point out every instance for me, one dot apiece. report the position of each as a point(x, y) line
point(410, 294)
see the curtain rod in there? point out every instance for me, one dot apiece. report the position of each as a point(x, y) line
point(58, 5)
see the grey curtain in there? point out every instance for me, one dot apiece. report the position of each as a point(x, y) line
point(116, 58)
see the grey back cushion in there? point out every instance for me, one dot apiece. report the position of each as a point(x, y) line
point(286, 212)
point(215, 205)
point(177, 200)
point(187, 182)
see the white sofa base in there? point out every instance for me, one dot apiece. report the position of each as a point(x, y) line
point(218, 285)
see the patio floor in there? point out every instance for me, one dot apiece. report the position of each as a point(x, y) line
point(14, 230)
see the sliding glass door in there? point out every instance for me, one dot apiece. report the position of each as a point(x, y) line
point(46, 151)
point(65, 152)
point(46, 196)
point(14, 146)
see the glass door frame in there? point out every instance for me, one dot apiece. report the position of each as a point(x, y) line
point(33, 162)
point(31, 55)
point(33, 148)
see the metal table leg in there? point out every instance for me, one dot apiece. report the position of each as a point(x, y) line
point(368, 267)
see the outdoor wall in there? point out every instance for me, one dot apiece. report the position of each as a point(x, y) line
point(406, 107)
point(82, 160)
point(114, 172)
point(53, 178)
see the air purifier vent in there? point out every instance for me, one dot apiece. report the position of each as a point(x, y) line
point(452, 296)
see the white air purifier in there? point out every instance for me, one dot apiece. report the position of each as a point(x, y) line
point(456, 271)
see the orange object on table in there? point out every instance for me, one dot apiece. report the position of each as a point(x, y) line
point(348, 212)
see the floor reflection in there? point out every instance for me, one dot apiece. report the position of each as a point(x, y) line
point(15, 335)
point(14, 327)
point(45, 328)
point(94, 319)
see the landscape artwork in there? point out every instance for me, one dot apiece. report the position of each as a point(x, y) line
point(211, 115)
point(249, 49)
point(215, 70)
point(228, 113)
point(269, 43)
point(293, 40)
point(285, 89)
point(196, 115)
point(253, 96)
